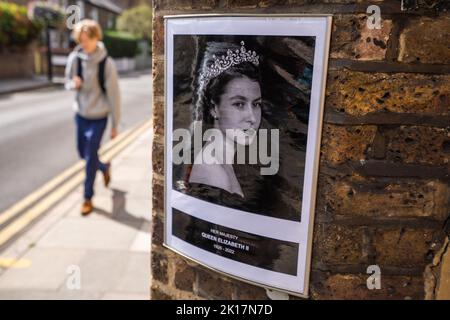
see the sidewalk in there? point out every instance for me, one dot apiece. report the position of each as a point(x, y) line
point(9, 86)
point(106, 253)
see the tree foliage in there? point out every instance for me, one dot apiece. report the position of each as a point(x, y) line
point(16, 29)
point(138, 21)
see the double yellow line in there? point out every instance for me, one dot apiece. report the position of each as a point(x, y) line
point(27, 210)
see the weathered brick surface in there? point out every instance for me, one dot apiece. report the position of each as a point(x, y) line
point(270, 3)
point(213, 286)
point(158, 78)
point(403, 247)
point(244, 291)
point(426, 40)
point(158, 116)
point(340, 143)
point(394, 198)
point(158, 36)
point(173, 4)
point(361, 218)
point(157, 294)
point(359, 93)
point(242, 3)
point(335, 244)
point(159, 267)
point(158, 196)
point(184, 275)
point(419, 145)
point(204, 4)
point(158, 158)
point(353, 39)
point(157, 231)
point(354, 287)
point(301, 2)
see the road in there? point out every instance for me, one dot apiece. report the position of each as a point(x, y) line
point(37, 133)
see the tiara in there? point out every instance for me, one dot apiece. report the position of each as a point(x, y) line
point(226, 61)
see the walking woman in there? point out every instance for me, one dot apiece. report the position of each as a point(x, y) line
point(93, 75)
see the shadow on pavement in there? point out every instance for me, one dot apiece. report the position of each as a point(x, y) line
point(120, 214)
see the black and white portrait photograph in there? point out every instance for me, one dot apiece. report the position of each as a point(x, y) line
point(255, 91)
point(244, 105)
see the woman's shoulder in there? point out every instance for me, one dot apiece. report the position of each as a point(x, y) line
point(72, 56)
point(207, 173)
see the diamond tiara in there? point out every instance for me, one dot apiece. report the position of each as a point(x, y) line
point(226, 61)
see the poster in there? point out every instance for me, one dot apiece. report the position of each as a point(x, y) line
point(244, 107)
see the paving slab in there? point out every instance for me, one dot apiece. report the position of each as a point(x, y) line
point(87, 233)
point(48, 269)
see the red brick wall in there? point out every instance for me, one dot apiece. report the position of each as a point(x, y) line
point(383, 191)
point(17, 63)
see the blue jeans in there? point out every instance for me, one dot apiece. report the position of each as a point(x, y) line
point(89, 136)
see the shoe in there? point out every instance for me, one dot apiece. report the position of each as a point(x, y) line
point(107, 175)
point(86, 208)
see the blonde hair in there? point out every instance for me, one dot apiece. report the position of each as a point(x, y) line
point(90, 27)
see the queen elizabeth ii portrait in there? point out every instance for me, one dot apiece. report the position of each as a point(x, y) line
point(230, 101)
point(230, 86)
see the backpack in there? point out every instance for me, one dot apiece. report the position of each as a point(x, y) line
point(101, 72)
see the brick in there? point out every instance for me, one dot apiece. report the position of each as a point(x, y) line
point(352, 38)
point(418, 145)
point(359, 93)
point(400, 199)
point(302, 2)
point(245, 291)
point(296, 2)
point(172, 4)
point(443, 290)
point(158, 116)
point(426, 40)
point(434, 5)
point(242, 4)
point(340, 144)
point(355, 93)
point(158, 197)
point(335, 244)
point(270, 3)
point(372, 44)
point(205, 4)
point(158, 78)
point(158, 140)
point(158, 231)
point(158, 35)
point(213, 287)
point(159, 267)
point(157, 294)
point(158, 158)
point(184, 275)
point(354, 287)
point(403, 247)
point(344, 34)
